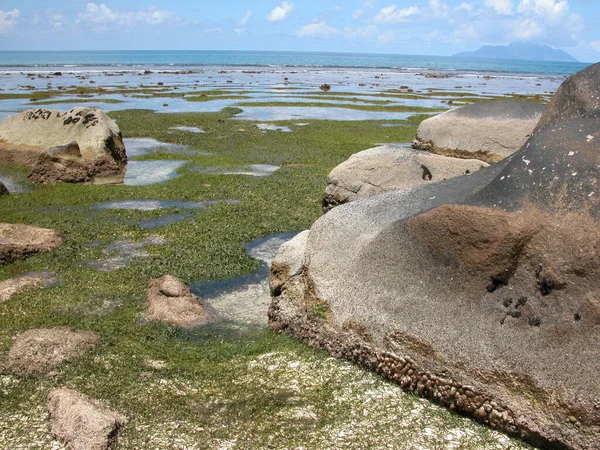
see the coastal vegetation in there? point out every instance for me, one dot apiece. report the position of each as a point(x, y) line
point(229, 385)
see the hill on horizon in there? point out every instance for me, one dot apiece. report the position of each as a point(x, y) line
point(519, 50)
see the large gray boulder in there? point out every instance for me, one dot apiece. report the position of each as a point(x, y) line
point(480, 292)
point(18, 241)
point(25, 135)
point(389, 168)
point(488, 131)
point(82, 423)
point(577, 97)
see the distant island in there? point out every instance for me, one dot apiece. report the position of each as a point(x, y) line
point(519, 50)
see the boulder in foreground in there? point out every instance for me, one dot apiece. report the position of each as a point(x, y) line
point(480, 292)
point(25, 135)
point(489, 131)
point(18, 241)
point(81, 423)
point(388, 168)
point(170, 301)
point(37, 350)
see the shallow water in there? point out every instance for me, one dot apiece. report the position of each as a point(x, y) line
point(272, 113)
point(143, 146)
point(245, 298)
point(271, 127)
point(144, 173)
point(152, 205)
point(119, 254)
point(255, 170)
point(190, 129)
point(13, 186)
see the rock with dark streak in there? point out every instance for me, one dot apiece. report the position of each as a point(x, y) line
point(388, 168)
point(24, 136)
point(488, 131)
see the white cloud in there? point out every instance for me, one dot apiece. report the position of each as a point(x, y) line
point(338, 8)
point(465, 33)
point(500, 6)
point(316, 29)
point(244, 20)
point(438, 9)
point(595, 46)
point(104, 17)
point(361, 32)
point(391, 14)
point(526, 29)
point(551, 10)
point(8, 19)
point(281, 12)
point(464, 7)
point(357, 14)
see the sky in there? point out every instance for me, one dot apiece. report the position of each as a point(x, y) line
point(421, 27)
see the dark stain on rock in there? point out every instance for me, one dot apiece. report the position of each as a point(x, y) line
point(427, 175)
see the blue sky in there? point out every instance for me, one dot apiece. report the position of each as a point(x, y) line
point(429, 27)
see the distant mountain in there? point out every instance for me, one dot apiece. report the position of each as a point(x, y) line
point(519, 50)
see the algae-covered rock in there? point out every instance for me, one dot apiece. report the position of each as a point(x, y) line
point(18, 241)
point(82, 423)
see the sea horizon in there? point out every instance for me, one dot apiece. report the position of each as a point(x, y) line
point(173, 59)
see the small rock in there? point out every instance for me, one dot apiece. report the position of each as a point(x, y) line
point(3, 189)
point(18, 241)
point(170, 301)
point(81, 423)
point(35, 350)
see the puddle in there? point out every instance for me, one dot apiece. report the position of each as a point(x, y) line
point(397, 144)
point(301, 124)
point(144, 173)
point(152, 205)
point(245, 298)
point(391, 125)
point(13, 186)
point(267, 113)
point(271, 127)
point(190, 129)
point(143, 146)
point(255, 170)
point(120, 253)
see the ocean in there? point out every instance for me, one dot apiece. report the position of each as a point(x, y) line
point(167, 81)
point(82, 60)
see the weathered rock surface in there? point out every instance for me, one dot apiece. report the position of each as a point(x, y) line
point(10, 287)
point(480, 292)
point(61, 164)
point(18, 241)
point(170, 301)
point(25, 135)
point(577, 97)
point(3, 189)
point(81, 423)
point(388, 168)
point(488, 131)
point(36, 350)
